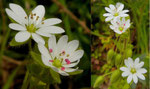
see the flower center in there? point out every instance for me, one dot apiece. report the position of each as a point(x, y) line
point(133, 70)
point(57, 63)
point(116, 14)
point(31, 28)
point(121, 29)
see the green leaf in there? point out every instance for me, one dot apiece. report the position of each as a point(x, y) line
point(55, 76)
point(75, 72)
point(35, 83)
point(40, 73)
point(14, 43)
point(37, 58)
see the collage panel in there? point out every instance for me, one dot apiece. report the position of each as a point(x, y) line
point(120, 44)
point(45, 44)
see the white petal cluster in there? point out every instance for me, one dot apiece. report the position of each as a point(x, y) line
point(115, 12)
point(120, 26)
point(116, 15)
point(33, 25)
point(61, 56)
point(133, 70)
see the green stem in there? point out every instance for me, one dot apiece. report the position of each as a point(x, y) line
point(108, 73)
point(30, 45)
point(25, 81)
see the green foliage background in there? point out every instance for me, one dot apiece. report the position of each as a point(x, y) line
point(12, 73)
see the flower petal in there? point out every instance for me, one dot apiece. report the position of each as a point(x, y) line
point(17, 27)
point(51, 21)
point(142, 70)
point(19, 11)
point(43, 50)
point(39, 11)
point(108, 9)
point(124, 15)
point(112, 7)
point(37, 38)
point(120, 8)
point(118, 4)
point(135, 79)
point(124, 11)
point(126, 73)
point(72, 64)
point(107, 14)
point(72, 46)
point(63, 73)
point(22, 36)
point(139, 65)
point(124, 69)
point(42, 33)
point(136, 61)
point(52, 45)
point(76, 55)
point(62, 42)
point(13, 16)
point(45, 60)
point(130, 61)
point(129, 79)
point(70, 69)
point(126, 63)
point(112, 27)
point(109, 18)
point(140, 76)
point(52, 29)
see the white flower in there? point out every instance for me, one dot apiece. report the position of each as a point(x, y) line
point(133, 70)
point(115, 12)
point(61, 56)
point(32, 25)
point(120, 26)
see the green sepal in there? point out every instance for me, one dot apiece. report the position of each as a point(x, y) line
point(14, 43)
point(75, 72)
point(55, 76)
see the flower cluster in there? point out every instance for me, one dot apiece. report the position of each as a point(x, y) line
point(61, 56)
point(116, 15)
point(133, 70)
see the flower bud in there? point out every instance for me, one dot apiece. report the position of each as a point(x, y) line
point(128, 53)
point(115, 76)
point(118, 59)
point(110, 55)
point(98, 81)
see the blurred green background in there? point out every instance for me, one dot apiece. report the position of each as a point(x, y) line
point(75, 21)
point(103, 39)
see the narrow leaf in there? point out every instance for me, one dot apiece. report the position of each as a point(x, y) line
point(10, 79)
